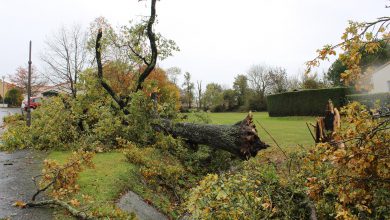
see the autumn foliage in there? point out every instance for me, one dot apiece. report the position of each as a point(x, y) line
point(350, 176)
point(358, 37)
point(62, 178)
point(123, 82)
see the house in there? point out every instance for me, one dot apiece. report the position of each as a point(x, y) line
point(54, 90)
point(381, 79)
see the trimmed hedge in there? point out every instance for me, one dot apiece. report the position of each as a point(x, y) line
point(370, 99)
point(311, 102)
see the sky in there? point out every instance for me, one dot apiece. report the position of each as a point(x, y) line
point(218, 39)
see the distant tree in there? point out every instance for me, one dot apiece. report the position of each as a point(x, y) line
point(311, 82)
point(293, 82)
point(188, 88)
point(254, 102)
point(14, 97)
point(264, 80)
point(229, 99)
point(240, 86)
point(20, 79)
point(173, 74)
point(334, 72)
point(65, 57)
point(199, 94)
point(213, 97)
point(259, 79)
point(278, 80)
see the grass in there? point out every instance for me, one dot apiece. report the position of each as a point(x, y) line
point(111, 177)
point(287, 131)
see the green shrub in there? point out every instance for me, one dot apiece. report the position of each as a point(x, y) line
point(11, 119)
point(17, 136)
point(14, 97)
point(254, 192)
point(305, 102)
point(370, 99)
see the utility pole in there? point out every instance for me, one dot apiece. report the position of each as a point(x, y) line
point(29, 89)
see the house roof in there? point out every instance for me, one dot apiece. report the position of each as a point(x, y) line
point(382, 67)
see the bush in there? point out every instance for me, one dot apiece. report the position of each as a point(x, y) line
point(14, 97)
point(351, 180)
point(53, 127)
point(305, 102)
point(11, 119)
point(254, 192)
point(370, 99)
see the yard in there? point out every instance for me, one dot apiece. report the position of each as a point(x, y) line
point(287, 131)
point(113, 175)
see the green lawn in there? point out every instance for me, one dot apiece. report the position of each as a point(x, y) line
point(111, 177)
point(287, 131)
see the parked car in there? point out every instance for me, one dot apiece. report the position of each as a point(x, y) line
point(34, 103)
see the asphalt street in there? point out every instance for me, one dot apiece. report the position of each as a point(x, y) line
point(16, 172)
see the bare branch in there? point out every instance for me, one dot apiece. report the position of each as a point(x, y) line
point(104, 84)
point(153, 45)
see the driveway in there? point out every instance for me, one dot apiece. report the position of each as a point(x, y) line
point(16, 171)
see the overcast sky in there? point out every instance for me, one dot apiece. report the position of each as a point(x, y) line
point(218, 38)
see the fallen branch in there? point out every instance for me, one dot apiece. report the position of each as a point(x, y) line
point(76, 213)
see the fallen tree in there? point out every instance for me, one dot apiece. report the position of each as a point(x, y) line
point(240, 139)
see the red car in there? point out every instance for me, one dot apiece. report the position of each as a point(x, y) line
point(34, 103)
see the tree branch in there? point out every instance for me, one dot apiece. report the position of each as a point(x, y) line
point(104, 84)
point(153, 45)
point(76, 213)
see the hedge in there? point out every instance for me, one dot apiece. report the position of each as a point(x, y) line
point(311, 102)
point(370, 99)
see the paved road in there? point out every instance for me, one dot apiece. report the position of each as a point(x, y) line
point(16, 170)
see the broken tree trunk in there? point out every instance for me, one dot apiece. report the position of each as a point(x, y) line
point(240, 139)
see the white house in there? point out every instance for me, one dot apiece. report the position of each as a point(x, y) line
point(381, 79)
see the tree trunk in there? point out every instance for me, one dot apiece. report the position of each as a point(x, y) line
point(240, 139)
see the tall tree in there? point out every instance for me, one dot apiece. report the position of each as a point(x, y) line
point(188, 88)
point(65, 57)
point(199, 93)
point(259, 80)
point(311, 82)
point(20, 79)
point(278, 80)
point(213, 97)
point(173, 74)
point(293, 82)
point(240, 86)
point(229, 100)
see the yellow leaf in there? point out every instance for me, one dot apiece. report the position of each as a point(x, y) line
point(74, 202)
point(19, 204)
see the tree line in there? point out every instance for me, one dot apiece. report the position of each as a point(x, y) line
point(248, 92)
